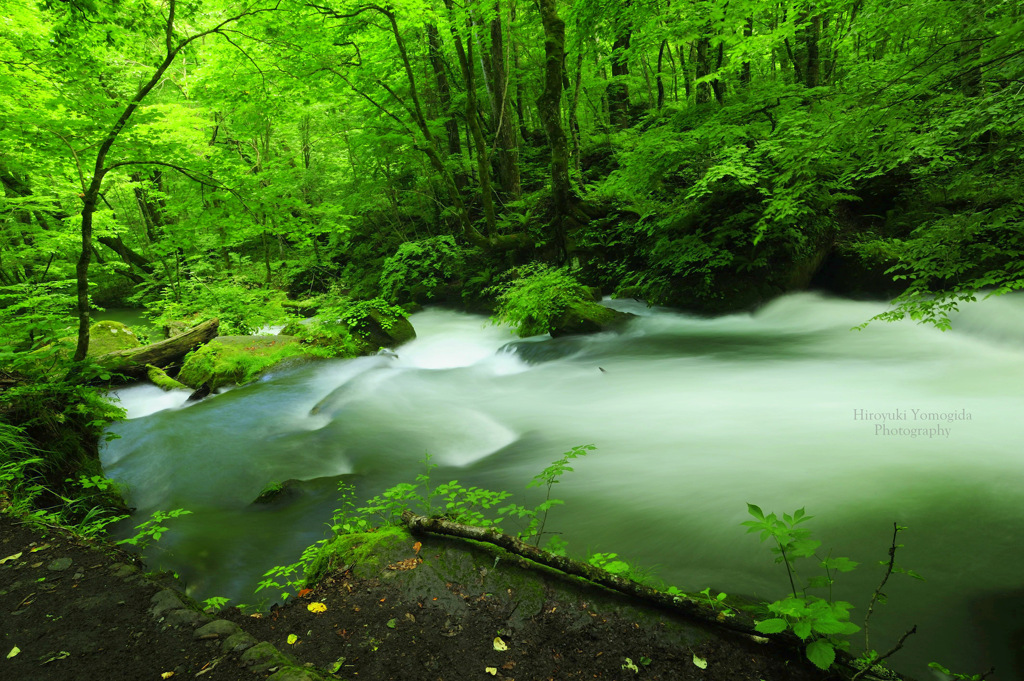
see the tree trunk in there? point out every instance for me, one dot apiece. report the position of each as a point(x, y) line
point(618, 89)
point(504, 136)
point(132, 362)
point(444, 93)
point(703, 68)
point(549, 105)
point(661, 85)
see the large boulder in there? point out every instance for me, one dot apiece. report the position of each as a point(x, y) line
point(110, 336)
point(228, 360)
point(379, 329)
point(587, 317)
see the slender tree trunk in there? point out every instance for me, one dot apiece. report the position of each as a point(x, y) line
point(661, 85)
point(549, 105)
point(703, 69)
point(444, 92)
point(748, 32)
point(483, 165)
point(618, 89)
point(812, 38)
point(504, 136)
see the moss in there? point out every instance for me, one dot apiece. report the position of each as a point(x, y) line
point(230, 360)
point(366, 552)
point(161, 380)
point(109, 336)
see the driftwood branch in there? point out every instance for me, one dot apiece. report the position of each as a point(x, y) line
point(133, 361)
point(490, 535)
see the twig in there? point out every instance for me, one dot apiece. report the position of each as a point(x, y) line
point(899, 644)
point(878, 591)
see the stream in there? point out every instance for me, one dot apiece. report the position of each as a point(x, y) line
point(692, 418)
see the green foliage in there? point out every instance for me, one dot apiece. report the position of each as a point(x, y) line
point(420, 271)
point(215, 603)
point(818, 621)
point(243, 307)
point(534, 296)
point(151, 530)
point(956, 675)
point(35, 322)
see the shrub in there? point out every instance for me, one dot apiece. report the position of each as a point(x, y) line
point(419, 271)
point(535, 296)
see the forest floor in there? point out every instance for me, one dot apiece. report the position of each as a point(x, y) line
point(83, 610)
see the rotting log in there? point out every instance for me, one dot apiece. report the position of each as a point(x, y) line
point(680, 604)
point(132, 361)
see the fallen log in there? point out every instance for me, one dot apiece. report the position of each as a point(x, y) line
point(681, 604)
point(132, 361)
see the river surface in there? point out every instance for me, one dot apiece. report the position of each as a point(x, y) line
point(692, 418)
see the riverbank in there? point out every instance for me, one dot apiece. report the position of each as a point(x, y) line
point(431, 609)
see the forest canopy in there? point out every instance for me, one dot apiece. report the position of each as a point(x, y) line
point(208, 156)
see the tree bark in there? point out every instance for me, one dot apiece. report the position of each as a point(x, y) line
point(504, 135)
point(618, 89)
point(549, 105)
point(132, 362)
point(444, 93)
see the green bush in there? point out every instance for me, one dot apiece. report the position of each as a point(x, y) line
point(535, 296)
point(241, 306)
point(419, 271)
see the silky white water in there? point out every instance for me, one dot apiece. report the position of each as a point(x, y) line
point(692, 419)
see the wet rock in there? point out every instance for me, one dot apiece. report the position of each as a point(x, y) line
point(236, 643)
point(184, 616)
point(165, 600)
point(588, 317)
point(263, 656)
point(59, 564)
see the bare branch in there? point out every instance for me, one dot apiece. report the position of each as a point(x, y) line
point(895, 648)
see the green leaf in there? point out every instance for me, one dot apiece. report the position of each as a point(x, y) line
point(755, 511)
point(774, 625)
point(802, 630)
point(821, 653)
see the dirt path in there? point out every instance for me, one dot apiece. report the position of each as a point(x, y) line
point(83, 611)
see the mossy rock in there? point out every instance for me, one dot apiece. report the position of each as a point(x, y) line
point(228, 360)
point(110, 336)
point(303, 308)
point(588, 317)
point(379, 330)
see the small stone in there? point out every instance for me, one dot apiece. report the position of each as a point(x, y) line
point(78, 575)
point(59, 564)
point(163, 601)
point(216, 629)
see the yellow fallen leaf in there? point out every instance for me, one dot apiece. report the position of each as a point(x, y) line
point(700, 662)
point(292, 639)
point(166, 675)
point(14, 651)
point(493, 671)
point(16, 556)
point(316, 607)
point(499, 644)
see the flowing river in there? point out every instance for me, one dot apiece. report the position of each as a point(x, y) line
point(692, 418)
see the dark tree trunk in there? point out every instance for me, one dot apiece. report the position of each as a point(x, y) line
point(444, 93)
point(661, 85)
point(549, 105)
point(703, 68)
point(505, 137)
point(618, 89)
